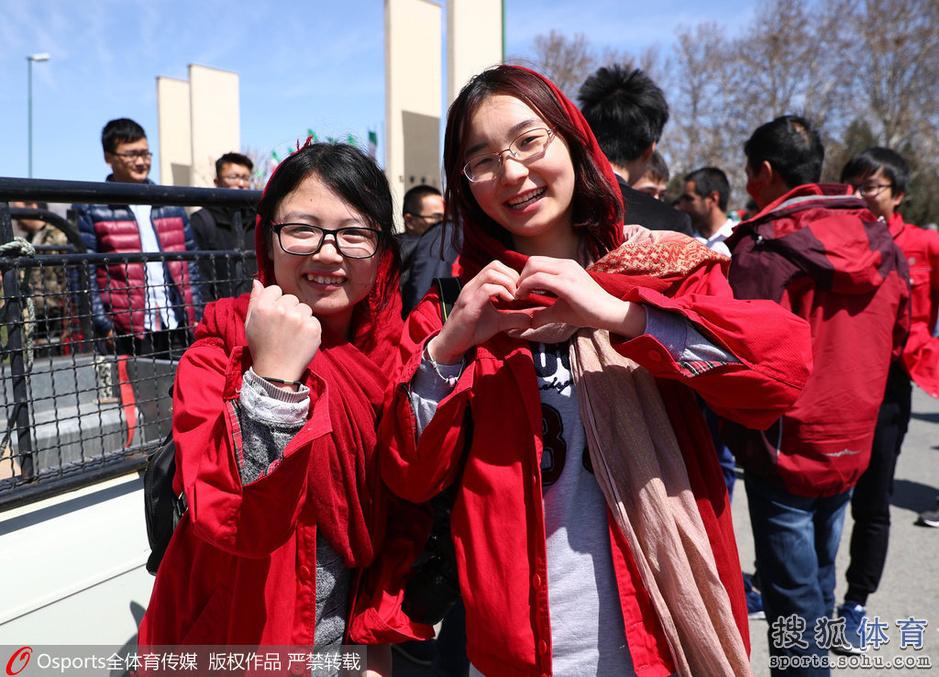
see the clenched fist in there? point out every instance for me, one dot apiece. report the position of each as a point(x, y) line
point(283, 336)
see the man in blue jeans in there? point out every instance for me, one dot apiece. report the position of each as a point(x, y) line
point(818, 251)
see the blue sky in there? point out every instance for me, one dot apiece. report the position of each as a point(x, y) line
point(317, 64)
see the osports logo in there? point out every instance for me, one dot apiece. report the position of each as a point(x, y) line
point(19, 660)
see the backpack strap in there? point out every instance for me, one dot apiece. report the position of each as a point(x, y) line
point(449, 288)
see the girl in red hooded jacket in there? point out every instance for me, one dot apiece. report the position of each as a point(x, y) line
point(591, 525)
point(275, 413)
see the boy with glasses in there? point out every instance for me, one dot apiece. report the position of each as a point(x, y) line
point(227, 228)
point(429, 245)
point(423, 209)
point(139, 308)
point(880, 177)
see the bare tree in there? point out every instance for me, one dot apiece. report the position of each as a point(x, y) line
point(896, 66)
point(894, 61)
point(264, 165)
point(566, 61)
point(864, 71)
point(771, 63)
point(697, 88)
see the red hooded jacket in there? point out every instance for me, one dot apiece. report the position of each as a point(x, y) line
point(921, 352)
point(820, 253)
point(497, 520)
point(241, 566)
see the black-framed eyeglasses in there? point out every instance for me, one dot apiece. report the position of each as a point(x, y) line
point(134, 155)
point(871, 189)
point(527, 146)
point(302, 239)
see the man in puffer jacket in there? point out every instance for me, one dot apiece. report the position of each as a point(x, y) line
point(818, 251)
point(144, 308)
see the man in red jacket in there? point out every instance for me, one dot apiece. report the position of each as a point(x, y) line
point(818, 251)
point(879, 177)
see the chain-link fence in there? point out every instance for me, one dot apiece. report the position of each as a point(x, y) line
point(88, 350)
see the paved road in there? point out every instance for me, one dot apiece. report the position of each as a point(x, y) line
point(910, 586)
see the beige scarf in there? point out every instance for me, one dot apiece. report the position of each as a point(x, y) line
point(640, 469)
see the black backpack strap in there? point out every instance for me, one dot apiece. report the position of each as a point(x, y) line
point(449, 288)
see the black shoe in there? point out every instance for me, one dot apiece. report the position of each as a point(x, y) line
point(930, 518)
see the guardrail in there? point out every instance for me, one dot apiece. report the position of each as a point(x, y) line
point(84, 387)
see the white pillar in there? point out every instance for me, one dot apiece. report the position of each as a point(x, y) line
point(413, 94)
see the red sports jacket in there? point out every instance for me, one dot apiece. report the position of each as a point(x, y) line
point(820, 253)
point(241, 566)
point(921, 352)
point(118, 296)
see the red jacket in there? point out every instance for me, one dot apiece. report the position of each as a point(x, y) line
point(497, 520)
point(820, 253)
point(241, 566)
point(921, 352)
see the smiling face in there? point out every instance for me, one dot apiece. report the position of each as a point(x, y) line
point(130, 162)
point(531, 201)
point(326, 281)
point(878, 192)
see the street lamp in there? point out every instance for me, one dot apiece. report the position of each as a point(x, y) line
point(42, 56)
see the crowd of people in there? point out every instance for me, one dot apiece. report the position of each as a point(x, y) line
point(585, 399)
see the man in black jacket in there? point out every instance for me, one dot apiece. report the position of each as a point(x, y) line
point(627, 112)
point(429, 245)
point(226, 228)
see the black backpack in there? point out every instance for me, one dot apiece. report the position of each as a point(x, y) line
point(163, 509)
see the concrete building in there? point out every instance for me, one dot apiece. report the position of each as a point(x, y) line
point(199, 119)
point(413, 93)
point(414, 54)
point(474, 40)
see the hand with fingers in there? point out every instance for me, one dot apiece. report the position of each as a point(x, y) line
point(283, 335)
point(474, 319)
point(581, 301)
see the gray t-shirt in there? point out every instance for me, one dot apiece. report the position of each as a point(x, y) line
point(587, 630)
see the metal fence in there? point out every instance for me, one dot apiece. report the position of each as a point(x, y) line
point(89, 342)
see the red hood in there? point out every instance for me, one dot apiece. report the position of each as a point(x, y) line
point(828, 232)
